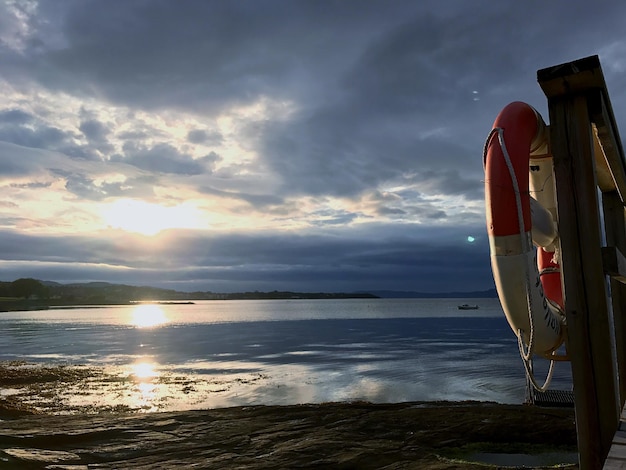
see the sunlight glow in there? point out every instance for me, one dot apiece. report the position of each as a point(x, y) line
point(146, 391)
point(149, 219)
point(148, 315)
point(144, 370)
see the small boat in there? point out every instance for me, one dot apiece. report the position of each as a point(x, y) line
point(468, 307)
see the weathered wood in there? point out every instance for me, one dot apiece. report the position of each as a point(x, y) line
point(615, 232)
point(620, 438)
point(603, 172)
point(586, 308)
point(618, 452)
point(585, 76)
point(571, 77)
point(579, 106)
point(614, 263)
point(616, 460)
point(608, 136)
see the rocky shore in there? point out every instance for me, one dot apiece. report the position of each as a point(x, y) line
point(433, 435)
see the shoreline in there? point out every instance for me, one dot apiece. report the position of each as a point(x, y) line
point(363, 435)
point(423, 435)
point(26, 305)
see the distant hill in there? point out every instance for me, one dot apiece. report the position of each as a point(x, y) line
point(32, 293)
point(392, 294)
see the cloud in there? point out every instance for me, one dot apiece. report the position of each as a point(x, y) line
point(164, 158)
point(407, 261)
point(201, 136)
point(323, 143)
point(16, 160)
point(256, 200)
point(94, 130)
point(15, 117)
point(37, 135)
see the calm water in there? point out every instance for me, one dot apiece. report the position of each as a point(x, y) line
point(223, 353)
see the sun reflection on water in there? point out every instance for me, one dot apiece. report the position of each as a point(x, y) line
point(148, 315)
point(146, 398)
point(147, 389)
point(144, 370)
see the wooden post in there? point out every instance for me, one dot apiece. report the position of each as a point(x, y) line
point(583, 280)
point(615, 230)
point(589, 324)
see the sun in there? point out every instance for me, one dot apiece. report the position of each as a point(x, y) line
point(143, 217)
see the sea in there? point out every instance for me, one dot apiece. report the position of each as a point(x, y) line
point(212, 354)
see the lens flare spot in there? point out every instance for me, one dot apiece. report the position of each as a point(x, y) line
point(470, 239)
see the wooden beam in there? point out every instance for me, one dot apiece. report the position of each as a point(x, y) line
point(603, 171)
point(608, 136)
point(571, 77)
point(585, 76)
point(584, 289)
point(616, 460)
point(614, 263)
point(615, 232)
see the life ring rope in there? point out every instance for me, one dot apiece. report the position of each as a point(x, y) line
point(529, 369)
point(525, 355)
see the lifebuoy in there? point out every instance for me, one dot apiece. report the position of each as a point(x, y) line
point(528, 281)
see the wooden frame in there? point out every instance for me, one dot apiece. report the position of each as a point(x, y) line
point(588, 160)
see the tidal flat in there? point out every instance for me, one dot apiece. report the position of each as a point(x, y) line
point(353, 435)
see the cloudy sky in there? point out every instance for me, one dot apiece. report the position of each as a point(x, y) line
point(236, 145)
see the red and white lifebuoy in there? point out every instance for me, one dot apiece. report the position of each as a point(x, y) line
point(521, 212)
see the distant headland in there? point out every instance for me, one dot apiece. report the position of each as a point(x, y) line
point(28, 293)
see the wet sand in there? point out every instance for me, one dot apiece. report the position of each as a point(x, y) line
point(433, 435)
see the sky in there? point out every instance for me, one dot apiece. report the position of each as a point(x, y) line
point(241, 145)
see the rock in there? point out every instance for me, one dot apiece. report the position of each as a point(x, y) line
point(425, 436)
point(40, 455)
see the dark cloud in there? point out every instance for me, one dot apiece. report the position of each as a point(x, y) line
point(82, 186)
point(405, 261)
point(233, 51)
point(17, 161)
point(134, 135)
point(447, 181)
point(327, 217)
point(369, 81)
point(164, 158)
point(97, 134)
point(15, 116)
point(260, 201)
point(86, 187)
point(26, 130)
point(81, 152)
point(94, 130)
point(37, 136)
point(201, 136)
